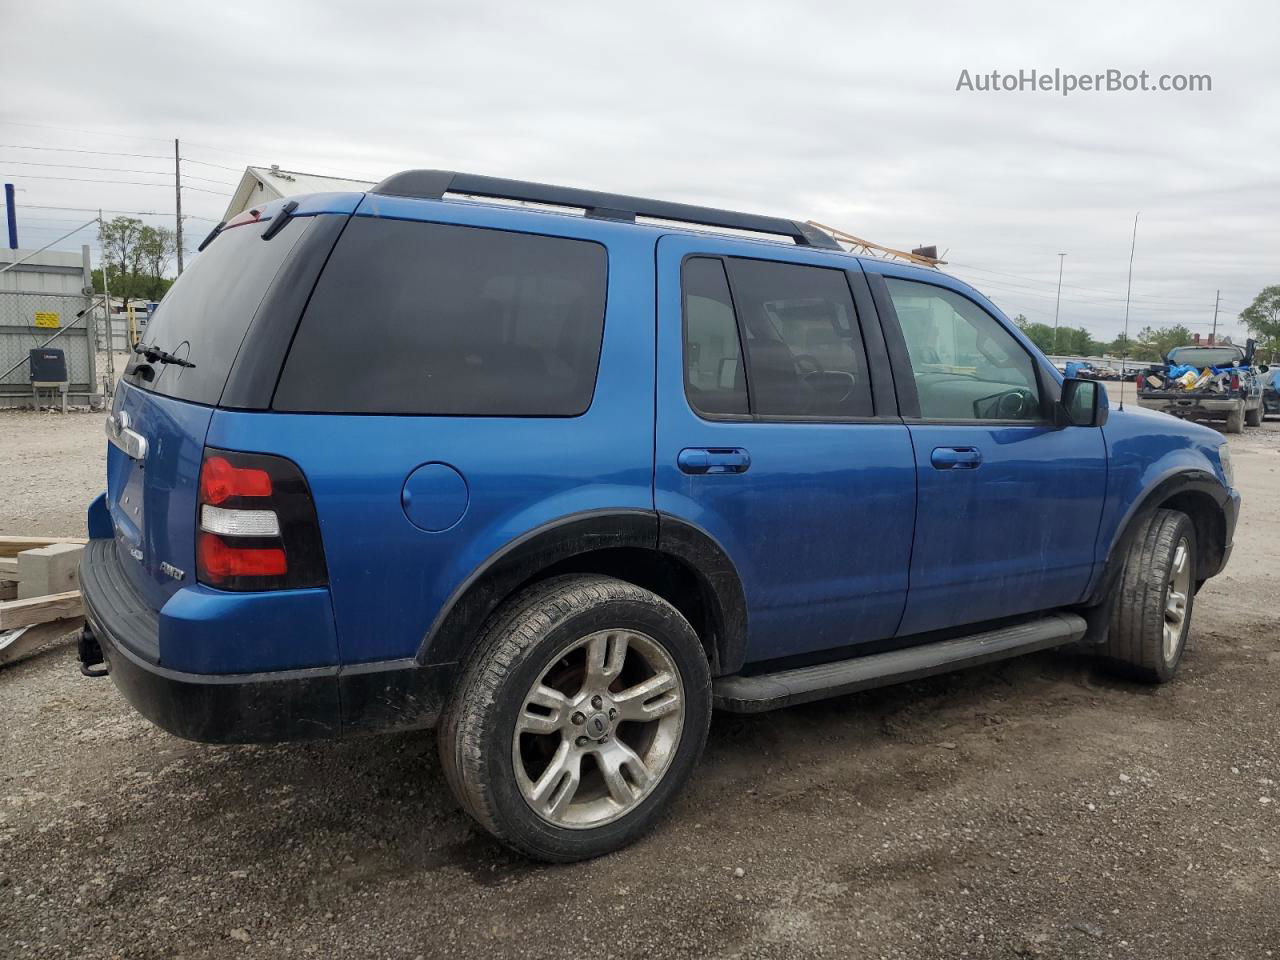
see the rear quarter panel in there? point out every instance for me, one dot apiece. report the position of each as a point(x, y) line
point(389, 578)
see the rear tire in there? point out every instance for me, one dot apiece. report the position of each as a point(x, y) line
point(578, 717)
point(1152, 613)
point(1235, 420)
point(1253, 418)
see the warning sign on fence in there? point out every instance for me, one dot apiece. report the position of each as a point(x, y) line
point(48, 319)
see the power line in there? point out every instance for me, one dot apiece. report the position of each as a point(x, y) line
point(137, 213)
point(126, 183)
point(206, 163)
point(100, 153)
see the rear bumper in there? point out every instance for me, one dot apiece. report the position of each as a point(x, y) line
point(272, 706)
point(1183, 406)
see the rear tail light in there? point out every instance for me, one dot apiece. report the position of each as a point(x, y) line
point(1235, 381)
point(1140, 380)
point(257, 524)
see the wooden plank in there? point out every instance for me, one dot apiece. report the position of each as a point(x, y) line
point(8, 568)
point(12, 546)
point(8, 589)
point(55, 606)
point(48, 570)
point(17, 644)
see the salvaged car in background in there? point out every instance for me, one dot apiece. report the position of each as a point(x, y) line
point(1206, 383)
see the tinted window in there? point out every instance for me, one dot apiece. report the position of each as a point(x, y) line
point(967, 366)
point(204, 316)
point(430, 318)
point(714, 378)
point(804, 348)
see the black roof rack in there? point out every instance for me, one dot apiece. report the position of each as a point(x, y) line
point(434, 184)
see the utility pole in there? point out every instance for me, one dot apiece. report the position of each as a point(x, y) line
point(177, 193)
point(1213, 337)
point(106, 303)
point(1058, 303)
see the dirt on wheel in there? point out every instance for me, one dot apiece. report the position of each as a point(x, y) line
point(1034, 808)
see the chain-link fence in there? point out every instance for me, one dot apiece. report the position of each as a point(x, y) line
point(28, 319)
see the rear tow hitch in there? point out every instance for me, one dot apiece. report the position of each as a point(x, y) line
point(92, 662)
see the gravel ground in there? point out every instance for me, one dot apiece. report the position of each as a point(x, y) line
point(1033, 808)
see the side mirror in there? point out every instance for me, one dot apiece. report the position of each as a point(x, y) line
point(1263, 368)
point(1083, 404)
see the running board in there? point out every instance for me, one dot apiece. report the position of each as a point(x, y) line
point(769, 691)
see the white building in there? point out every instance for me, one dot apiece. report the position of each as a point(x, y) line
point(261, 185)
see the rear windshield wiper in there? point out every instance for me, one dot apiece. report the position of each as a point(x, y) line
point(156, 355)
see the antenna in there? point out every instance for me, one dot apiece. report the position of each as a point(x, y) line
point(1133, 245)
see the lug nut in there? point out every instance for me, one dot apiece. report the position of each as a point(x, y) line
point(578, 718)
point(613, 714)
point(581, 741)
point(597, 701)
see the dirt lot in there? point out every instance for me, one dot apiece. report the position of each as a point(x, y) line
point(1033, 808)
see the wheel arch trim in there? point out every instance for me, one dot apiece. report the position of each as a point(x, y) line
point(1180, 481)
point(580, 534)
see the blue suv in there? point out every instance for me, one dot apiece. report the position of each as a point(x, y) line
point(556, 472)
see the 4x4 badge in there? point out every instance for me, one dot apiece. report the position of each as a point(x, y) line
point(169, 569)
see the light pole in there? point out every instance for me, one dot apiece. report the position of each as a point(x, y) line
point(1058, 302)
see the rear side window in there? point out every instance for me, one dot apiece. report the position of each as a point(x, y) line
point(425, 318)
point(204, 316)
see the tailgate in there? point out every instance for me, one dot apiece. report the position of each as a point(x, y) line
point(153, 465)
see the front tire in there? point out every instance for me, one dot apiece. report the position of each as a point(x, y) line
point(1152, 613)
point(578, 717)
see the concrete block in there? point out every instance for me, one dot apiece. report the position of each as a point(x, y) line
point(51, 569)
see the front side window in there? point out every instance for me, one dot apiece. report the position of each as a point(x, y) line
point(429, 318)
point(967, 366)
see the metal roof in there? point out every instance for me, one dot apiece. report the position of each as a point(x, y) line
point(264, 184)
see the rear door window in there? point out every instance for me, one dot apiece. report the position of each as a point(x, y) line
point(426, 318)
point(805, 356)
point(204, 316)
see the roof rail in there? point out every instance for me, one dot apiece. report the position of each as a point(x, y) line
point(434, 184)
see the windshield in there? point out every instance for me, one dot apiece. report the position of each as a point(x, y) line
point(204, 316)
point(1205, 356)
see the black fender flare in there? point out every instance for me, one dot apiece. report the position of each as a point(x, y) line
point(522, 559)
point(1184, 481)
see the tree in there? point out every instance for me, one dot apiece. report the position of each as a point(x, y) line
point(136, 257)
point(1153, 344)
point(156, 246)
point(1262, 317)
point(120, 238)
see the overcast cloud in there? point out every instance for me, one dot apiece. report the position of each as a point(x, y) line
point(847, 114)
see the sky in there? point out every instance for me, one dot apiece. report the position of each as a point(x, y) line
point(848, 114)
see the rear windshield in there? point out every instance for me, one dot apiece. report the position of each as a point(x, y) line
point(1205, 356)
point(425, 318)
point(204, 316)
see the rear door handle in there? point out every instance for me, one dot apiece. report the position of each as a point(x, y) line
point(956, 458)
point(699, 460)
